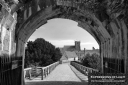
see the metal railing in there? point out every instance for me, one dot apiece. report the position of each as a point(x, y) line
point(85, 70)
point(40, 71)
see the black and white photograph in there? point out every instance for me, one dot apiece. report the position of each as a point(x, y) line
point(63, 42)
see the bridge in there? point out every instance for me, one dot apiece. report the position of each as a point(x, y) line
point(63, 74)
point(105, 20)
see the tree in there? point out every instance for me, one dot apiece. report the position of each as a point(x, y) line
point(92, 61)
point(41, 52)
point(57, 55)
point(85, 61)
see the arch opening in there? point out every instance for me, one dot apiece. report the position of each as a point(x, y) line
point(27, 29)
point(68, 24)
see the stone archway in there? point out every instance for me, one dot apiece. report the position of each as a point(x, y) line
point(107, 27)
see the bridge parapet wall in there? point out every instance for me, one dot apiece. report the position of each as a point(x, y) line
point(85, 70)
point(40, 71)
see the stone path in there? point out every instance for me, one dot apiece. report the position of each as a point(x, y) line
point(62, 75)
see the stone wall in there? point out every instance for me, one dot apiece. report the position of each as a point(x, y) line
point(10, 63)
point(114, 50)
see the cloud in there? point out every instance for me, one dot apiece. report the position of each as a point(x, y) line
point(87, 43)
point(61, 43)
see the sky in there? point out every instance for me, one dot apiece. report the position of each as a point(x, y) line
point(62, 32)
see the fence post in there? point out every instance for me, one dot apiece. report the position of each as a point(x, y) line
point(42, 74)
point(47, 71)
point(30, 73)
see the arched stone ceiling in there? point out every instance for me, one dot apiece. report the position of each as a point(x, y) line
point(38, 20)
point(92, 15)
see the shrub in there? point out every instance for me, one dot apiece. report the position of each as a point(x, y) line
point(92, 61)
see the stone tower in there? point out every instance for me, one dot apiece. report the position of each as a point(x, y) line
point(77, 45)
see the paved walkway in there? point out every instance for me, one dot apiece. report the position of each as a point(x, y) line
point(62, 75)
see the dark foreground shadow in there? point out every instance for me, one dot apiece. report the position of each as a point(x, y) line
point(56, 83)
